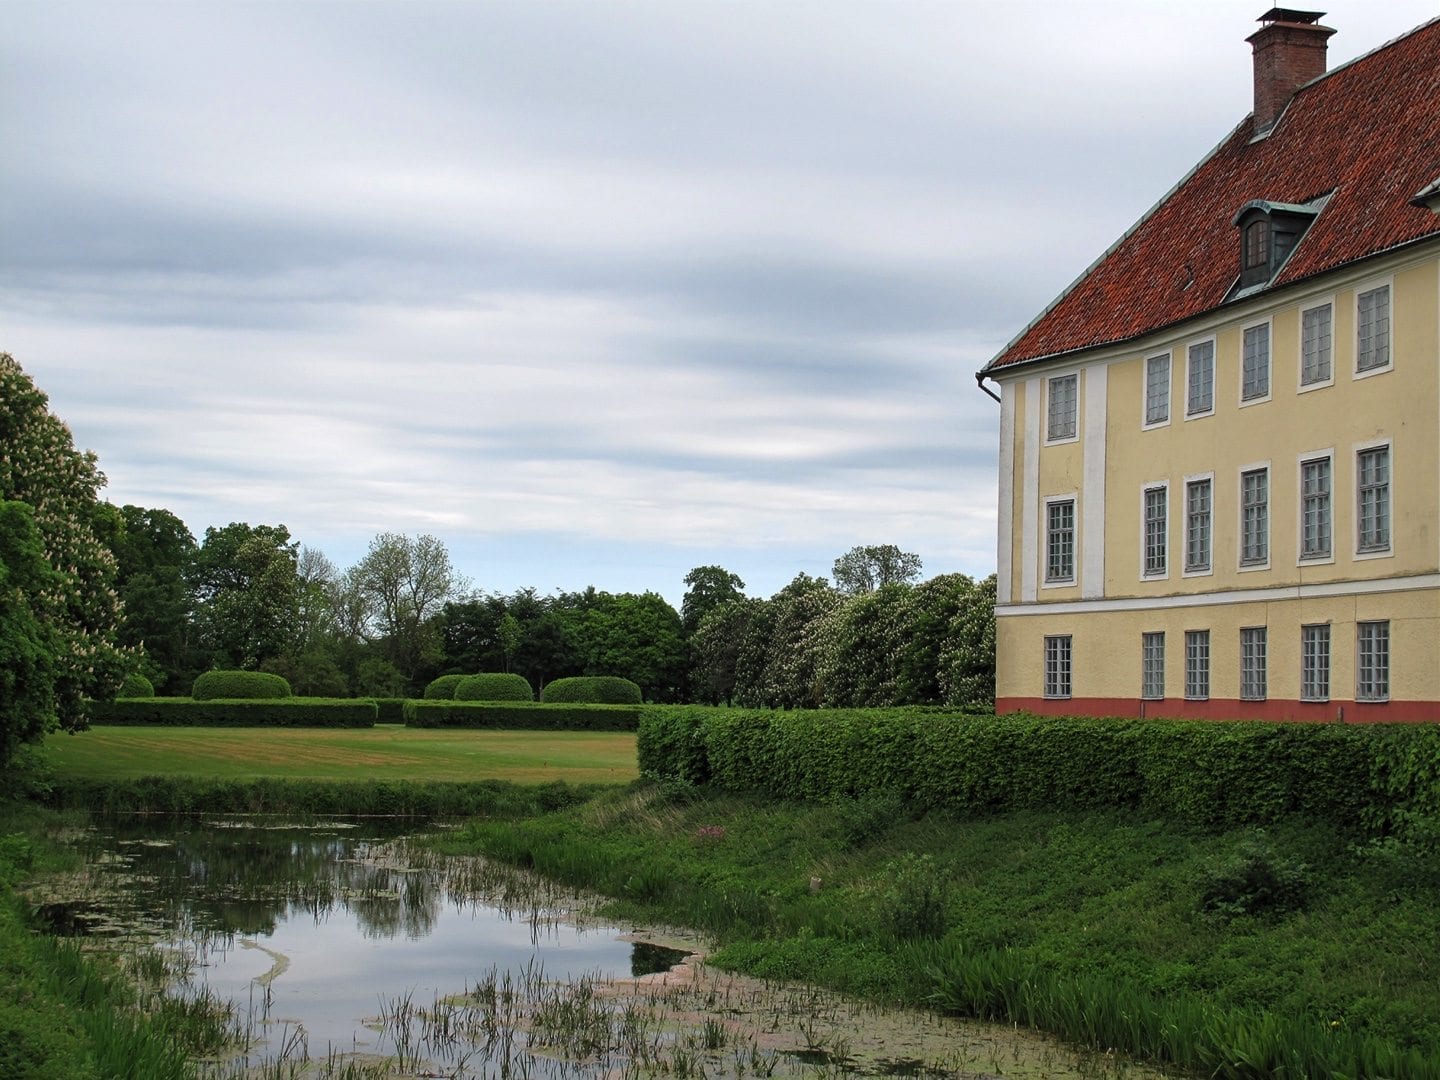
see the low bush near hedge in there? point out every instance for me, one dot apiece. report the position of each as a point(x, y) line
point(285, 712)
point(136, 685)
point(494, 686)
point(592, 690)
point(443, 688)
point(1209, 774)
point(521, 716)
point(234, 685)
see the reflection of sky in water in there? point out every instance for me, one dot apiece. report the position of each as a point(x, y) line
point(356, 936)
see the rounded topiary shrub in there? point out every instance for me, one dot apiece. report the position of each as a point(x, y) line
point(239, 684)
point(494, 686)
point(443, 688)
point(136, 685)
point(592, 690)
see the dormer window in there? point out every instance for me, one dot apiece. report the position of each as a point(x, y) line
point(1257, 244)
point(1269, 232)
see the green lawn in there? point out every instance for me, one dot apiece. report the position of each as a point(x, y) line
point(386, 752)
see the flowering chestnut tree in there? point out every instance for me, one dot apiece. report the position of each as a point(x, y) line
point(76, 606)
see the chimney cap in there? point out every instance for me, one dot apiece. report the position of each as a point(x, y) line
point(1291, 15)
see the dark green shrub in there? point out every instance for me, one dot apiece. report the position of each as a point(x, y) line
point(520, 716)
point(1255, 881)
point(670, 744)
point(237, 685)
point(493, 686)
point(389, 710)
point(136, 685)
point(913, 897)
point(273, 712)
point(443, 688)
point(592, 690)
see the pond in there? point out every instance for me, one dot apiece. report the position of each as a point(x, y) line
point(341, 949)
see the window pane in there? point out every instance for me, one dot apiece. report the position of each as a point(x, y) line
point(1373, 494)
point(1062, 407)
point(1253, 663)
point(1155, 529)
point(1255, 382)
point(1197, 525)
point(1315, 345)
point(1060, 541)
point(1315, 663)
point(1152, 663)
point(1315, 509)
point(1157, 389)
point(1372, 319)
point(1057, 666)
point(1372, 677)
point(1201, 396)
point(1197, 664)
point(1254, 516)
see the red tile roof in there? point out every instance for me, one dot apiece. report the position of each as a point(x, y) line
point(1369, 131)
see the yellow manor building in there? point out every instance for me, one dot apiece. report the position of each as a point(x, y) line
point(1220, 447)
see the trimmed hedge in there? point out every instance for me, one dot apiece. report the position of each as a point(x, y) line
point(521, 716)
point(443, 688)
point(136, 685)
point(494, 686)
point(283, 712)
point(592, 690)
point(1213, 775)
point(235, 685)
point(389, 710)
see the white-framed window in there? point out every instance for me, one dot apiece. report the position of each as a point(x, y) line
point(1063, 396)
point(1157, 390)
point(1197, 665)
point(1372, 661)
point(1154, 530)
point(1200, 378)
point(1316, 518)
point(1060, 541)
point(1255, 364)
point(1199, 501)
point(1255, 517)
point(1316, 368)
point(1057, 666)
point(1372, 330)
point(1152, 665)
point(1253, 648)
point(1315, 662)
point(1372, 499)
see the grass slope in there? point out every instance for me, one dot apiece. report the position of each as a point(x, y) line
point(384, 752)
point(1296, 952)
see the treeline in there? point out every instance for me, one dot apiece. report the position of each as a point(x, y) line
point(91, 593)
point(250, 597)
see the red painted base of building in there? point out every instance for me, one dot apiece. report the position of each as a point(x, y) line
point(1313, 712)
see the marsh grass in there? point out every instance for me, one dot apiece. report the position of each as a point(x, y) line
point(1233, 954)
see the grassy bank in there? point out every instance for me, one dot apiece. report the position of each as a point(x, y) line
point(382, 753)
point(1298, 951)
point(71, 1014)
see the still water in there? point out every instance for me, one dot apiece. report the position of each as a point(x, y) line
point(342, 950)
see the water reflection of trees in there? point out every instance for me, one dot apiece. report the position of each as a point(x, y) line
point(245, 880)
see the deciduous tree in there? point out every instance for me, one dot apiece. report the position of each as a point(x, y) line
point(78, 607)
point(866, 568)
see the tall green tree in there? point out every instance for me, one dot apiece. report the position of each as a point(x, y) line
point(248, 593)
point(28, 645)
point(406, 583)
point(634, 636)
point(155, 556)
point(707, 587)
point(869, 567)
point(794, 653)
point(717, 648)
point(79, 608)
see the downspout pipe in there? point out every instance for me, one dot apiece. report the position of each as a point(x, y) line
point(980, 382)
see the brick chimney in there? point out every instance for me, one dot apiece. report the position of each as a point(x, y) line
point(1289, 52)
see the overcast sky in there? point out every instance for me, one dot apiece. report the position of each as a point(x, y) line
point(594, 292)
